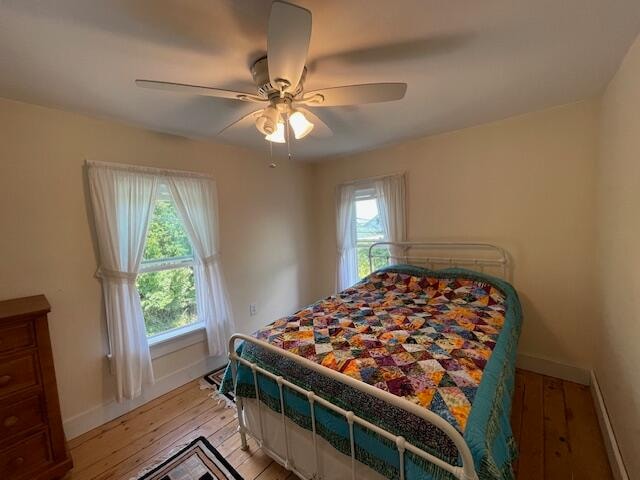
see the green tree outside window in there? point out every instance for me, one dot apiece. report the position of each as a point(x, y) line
point(167, 292)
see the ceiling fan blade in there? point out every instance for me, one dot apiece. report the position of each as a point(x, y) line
point(247, 120)
point(199, 90)
point(320, 129)
point(396, 52)
point(355, 94)
point(287, 43)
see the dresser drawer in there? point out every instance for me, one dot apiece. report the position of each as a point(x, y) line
point(32, 444)
point(17, 372)
point(18, 335)
point(17, 461)
point(20, 413)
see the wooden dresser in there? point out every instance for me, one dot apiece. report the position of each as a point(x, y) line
point(32, 443)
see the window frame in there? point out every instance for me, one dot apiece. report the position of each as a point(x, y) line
point(150, 266)
point(164, 264)
point(364, 192)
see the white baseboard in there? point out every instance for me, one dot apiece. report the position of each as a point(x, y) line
point(552, 368)
point(100, 414)
point(610, 442)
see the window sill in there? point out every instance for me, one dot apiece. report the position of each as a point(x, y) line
point(169, 342)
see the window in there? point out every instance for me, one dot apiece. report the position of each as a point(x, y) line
point(179, 285)
point(368, 231)
point(166, 282)
point(368, 211)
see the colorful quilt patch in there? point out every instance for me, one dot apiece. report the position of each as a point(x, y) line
point(425, 339)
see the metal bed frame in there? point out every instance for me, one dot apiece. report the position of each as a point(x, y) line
point(497, 258)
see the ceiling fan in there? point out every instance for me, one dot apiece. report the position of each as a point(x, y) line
point(280, 76)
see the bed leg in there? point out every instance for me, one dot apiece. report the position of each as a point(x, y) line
point(244, 446)
point(242, 430)
point(240, 411)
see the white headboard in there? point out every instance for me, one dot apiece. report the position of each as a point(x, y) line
point(481, 257)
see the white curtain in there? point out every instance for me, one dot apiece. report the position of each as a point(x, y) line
point(122, 205)
point(390, 192)
point(347, 273)
point(196, 201)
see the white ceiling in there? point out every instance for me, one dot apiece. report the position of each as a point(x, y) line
point(466, 62)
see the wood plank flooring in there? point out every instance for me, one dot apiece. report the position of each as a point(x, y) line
point(556, 430)
point(554, 424)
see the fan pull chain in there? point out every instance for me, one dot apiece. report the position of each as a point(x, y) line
point(272, 164)
point(288, 138)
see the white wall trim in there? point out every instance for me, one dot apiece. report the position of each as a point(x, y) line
point(551, 368)
point(101, 414)
point(610, 442)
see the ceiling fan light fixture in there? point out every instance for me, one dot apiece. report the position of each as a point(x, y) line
point(299, 124)
point(278, 135)
point(267, 121)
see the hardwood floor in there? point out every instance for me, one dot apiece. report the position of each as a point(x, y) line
point(556, 429)
point(554, 423)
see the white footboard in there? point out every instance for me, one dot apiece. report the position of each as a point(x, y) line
point(465, 472)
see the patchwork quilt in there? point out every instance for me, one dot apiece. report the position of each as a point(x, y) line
point(444, 340)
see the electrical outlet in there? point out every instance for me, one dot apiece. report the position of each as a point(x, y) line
point(253, 309)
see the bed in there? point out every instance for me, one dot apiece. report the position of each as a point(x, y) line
point(408, 374)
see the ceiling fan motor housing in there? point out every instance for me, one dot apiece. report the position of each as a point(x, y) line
point(260, 73)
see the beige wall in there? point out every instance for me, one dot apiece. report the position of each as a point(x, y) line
point(525, 183)
point(618, 360)
point(46, 243)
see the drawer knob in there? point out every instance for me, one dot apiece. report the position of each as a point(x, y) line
point(10, 421)
point(18, 461)
point(4, 380)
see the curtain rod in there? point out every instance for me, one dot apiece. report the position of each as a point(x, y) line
point(144, 169)
point(371, 179)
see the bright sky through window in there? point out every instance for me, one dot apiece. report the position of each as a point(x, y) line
point(368, 231)
point(366, 209)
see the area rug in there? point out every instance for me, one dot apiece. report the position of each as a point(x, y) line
point(215, 379)
point(197, 461)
